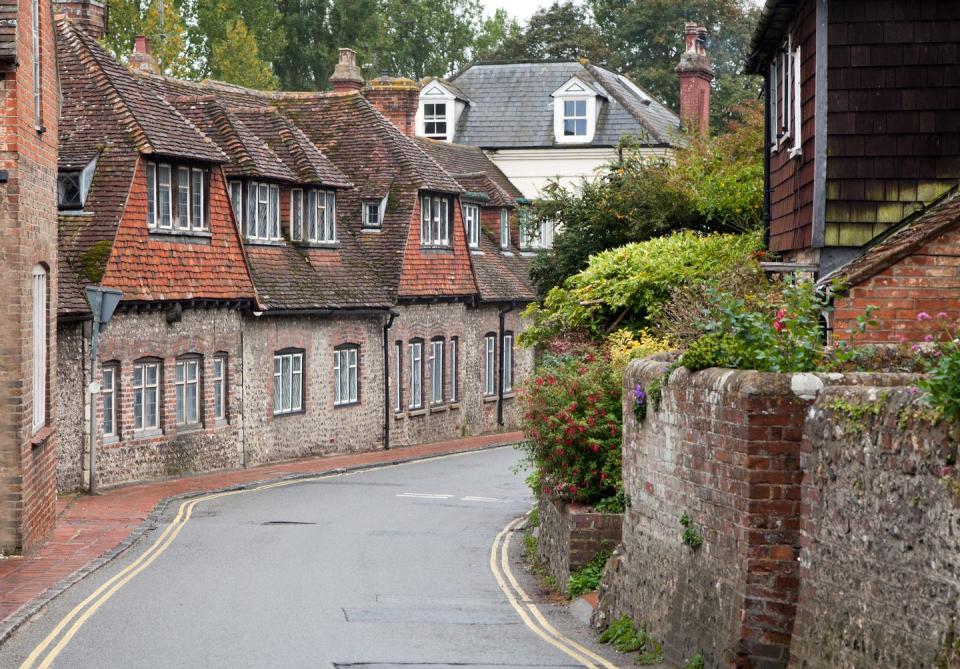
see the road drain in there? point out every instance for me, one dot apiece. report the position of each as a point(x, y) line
point(287, 522)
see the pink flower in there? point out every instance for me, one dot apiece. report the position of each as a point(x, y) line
point(928, 338)
point(942, 314)
point(923, 316)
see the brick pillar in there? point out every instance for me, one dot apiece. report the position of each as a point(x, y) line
point(397, 99)
point(695, 73)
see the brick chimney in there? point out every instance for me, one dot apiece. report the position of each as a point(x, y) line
point(346, 75)
point(696, 73)
point(89, 15)
point(396, 98)
point(142, 57)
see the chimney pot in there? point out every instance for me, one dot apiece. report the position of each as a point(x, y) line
point(142, 57)
point(346, 74)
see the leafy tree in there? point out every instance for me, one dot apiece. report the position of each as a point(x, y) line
point(714, 184)
point(211, 22)
point(648, 40)
point(495, 32)
point(315, 30)
point(159, 20)
point(562, 31)
point(235, 59)
point(427, 37)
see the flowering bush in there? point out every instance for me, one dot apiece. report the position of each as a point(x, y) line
point(572, 419)
point(785, 336)
point(940, 357)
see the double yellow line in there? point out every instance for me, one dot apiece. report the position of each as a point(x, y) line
point(528, 611)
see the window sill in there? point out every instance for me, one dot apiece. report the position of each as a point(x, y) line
point(476, 252)
point(43, 435)
point(530, 254)
point(110, 440)
point(436, 249)
point(319, 246)
point(282, 414)
point(183, 236)
point(795, 152)
point(439, 408)
point(399, 415)
point(371, 230)
point(346, 405)
point(506, 253)
point(509, 395)
point(221, 422)
point(414, 413)
point(454, 406)
point(264, 242)
point(189, 428)
point(489, 398)
point(148, 433)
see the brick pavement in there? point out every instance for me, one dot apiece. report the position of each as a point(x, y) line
point(93, 530)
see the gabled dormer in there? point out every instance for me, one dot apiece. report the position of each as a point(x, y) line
point(575, 109)
point(440, 108)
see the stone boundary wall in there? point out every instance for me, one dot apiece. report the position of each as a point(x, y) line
point(728, 450)
point(571, 535)
point(880, 540)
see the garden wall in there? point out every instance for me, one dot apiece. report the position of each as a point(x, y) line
point(827, 535)
point(880, 556)
point(723, 450)
point(571, 535)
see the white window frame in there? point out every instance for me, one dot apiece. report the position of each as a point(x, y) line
point(236, 200)
point(39, 289)
point(436, 372)
point(797, 104)
point(262, 212)
point(142, 391)
point(287, 378)
point(184, 205)
point(416, 374)
point(437, 117)
point(296, 214)
point(319, 220)
point(198, 208)
point(164, 215)
point(575, 90)
point(220, 387)
point(186, 379)
point(471, 223)
point(543, 240)
point(774, 119)
point(434, 221)
point(108, 393)
point(504, 228)
point(489, 365)
point(454, 371)
point(373, 209)
point(398, 377)
point(37, 65)
point(570, 114)
point(346, 375)
point(506, 378)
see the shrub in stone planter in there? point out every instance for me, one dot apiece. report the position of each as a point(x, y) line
point(572, 418)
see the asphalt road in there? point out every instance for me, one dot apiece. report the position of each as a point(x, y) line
point(378, 569)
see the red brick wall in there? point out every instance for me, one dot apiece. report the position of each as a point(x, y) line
point(927, 280)
point(398, 101)
point(791, 179)
point(723, 448)
point(28, 220)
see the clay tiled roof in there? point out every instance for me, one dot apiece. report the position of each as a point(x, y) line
point(899, 243)
point(8, 31)
point(461, 160)
point(501, 278)
point(154, 125)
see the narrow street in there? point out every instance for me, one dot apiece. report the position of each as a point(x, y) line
point(375, 569)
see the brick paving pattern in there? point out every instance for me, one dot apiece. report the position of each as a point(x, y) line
point(88, 527)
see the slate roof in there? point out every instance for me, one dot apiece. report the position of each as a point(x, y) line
point(900, 242)
point(471, 165)
point(511, 106)
point(8, 31)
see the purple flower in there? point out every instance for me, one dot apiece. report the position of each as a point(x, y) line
point(942, 314)
point(928, 338)
point(923, 316)
point(639, 394)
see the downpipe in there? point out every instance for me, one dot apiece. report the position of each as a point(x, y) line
point(503, 317)
point(386, 379)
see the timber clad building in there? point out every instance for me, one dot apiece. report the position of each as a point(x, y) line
point(300, 275)
point(863, 163)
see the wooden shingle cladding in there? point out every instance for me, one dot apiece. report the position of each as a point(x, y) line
point(791, 176)
point(8, 32)
point(894, 113)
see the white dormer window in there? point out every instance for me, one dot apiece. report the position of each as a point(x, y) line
point(435, 120)
point(575, 113)
point(439, 109)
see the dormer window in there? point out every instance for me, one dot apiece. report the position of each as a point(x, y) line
point(373, 211)
point(574, 118)
point(177, 198)
point(435, 120)
point(435, 221)
point(74, 186)
point(575, 112)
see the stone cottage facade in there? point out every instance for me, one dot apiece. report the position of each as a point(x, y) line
point(28, 354)
point(863, 139)
point(300, 275)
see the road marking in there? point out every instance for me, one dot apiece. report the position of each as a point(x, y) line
point(99, 597)
point(525, 606)
point(480, 499)
point(423, 495)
